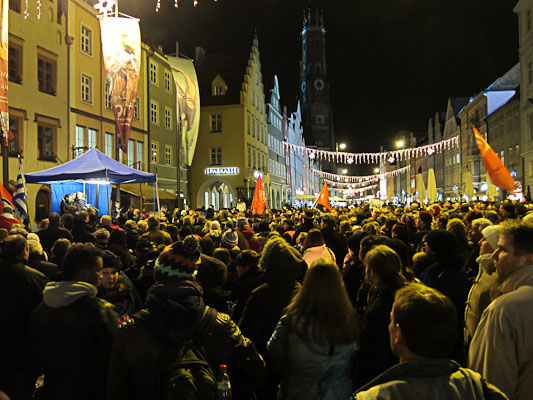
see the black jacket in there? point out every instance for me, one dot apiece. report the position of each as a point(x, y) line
point(178, 307)
point(337, 243)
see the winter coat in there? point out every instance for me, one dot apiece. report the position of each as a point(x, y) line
point(244, 286)
point(336, 242)
point(502, 347)
point(177, 306)
point(72, 332)
point(49, 235)
point(37, 262)
point(310, 370)
point(123, 296)
point(438, 379)
point(21, 290)
point(158, 237)
point(314, 253)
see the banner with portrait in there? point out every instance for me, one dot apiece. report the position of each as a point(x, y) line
point(121, 48)
point(4, 79)
point(188, 103)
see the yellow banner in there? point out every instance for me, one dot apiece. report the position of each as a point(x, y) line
point(4, 48)
point(121, 47)
point(188, 100)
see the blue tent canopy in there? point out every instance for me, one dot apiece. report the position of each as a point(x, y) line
point(92, 165)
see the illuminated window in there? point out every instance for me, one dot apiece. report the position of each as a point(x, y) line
point(108, 144)
point(168, 118)
point(168, 155)
point(92, 138)
point(86, 88)
point(139, 155)
point(131, 152)
point(155, 152)
point(79, 137)
point(86, 40)
point(46, 137)
point(107, 97)
point(168, 88)
point(218, 90)
point(136, 114)
point(216, 156)
point(154, 78)
point(154, 112)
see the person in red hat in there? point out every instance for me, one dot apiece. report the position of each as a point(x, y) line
point(7, 219)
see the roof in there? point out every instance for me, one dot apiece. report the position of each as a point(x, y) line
point(509, 81)
point(91, 165)
point(231, 67)
point(458, 103)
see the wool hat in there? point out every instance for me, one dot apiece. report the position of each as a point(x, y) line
point(241, 221)
point(167, 267)
point(491, 235)
point(212, 272)
point(111, 260)
point(230, 239)
point(426, 217)
point(7, 209)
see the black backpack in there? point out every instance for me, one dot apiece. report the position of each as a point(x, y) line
point(183, 371)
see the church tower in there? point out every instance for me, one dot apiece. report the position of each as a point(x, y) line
point(314, 83)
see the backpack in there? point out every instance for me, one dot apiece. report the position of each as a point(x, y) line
point(183, 371)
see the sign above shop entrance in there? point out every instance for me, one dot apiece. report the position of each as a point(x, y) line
point(222, 171)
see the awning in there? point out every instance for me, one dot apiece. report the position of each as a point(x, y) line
point(145, 191)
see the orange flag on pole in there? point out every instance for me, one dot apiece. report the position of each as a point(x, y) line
point(499, 175)
point(259, 202)
point(323, 198)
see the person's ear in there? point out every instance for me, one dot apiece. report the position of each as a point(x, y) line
point(399, 338)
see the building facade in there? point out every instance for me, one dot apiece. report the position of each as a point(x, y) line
point(277, 196)
point(232, 148)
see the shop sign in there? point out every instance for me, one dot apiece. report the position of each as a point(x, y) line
point(222, 171)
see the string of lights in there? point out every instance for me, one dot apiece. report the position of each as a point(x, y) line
point(357, 179)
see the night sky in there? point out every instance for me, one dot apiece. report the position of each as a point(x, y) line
point(392, 63)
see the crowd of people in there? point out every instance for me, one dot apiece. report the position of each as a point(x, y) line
point(419, 301)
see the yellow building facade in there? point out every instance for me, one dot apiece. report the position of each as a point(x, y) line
point(37, 93)
point(232, 148)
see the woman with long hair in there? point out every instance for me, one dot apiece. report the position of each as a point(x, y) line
point(383, 274)
point(315, 341)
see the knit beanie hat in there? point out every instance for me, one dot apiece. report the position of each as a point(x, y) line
point(212, 272)
point(230, 239)
point(241, 221)
point(111, 260)
point(167, 267)
point(426, 217)
point(491, 235)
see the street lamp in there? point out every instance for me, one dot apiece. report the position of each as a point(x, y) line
point(376, 170)
point(340, 146)
point(400, 144)
point(344, 171)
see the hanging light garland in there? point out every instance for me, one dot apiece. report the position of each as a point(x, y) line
point(353, 192)
point(358, 179)
point(350, 185)
point(375, 158)
point(176, 4)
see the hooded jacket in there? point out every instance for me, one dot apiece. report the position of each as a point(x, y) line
point(72, 331)
point(177, 307)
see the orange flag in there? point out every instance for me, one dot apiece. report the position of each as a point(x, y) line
point(323, 198)
point(499, 175)
point(5, 197)
point(259, 202)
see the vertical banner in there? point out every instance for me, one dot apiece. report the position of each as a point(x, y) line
point(4, 48)
point(188, 102)
point(121, 47)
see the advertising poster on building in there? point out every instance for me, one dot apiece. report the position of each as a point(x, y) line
point(121, 47)
point(188, 100)
point(4, 48)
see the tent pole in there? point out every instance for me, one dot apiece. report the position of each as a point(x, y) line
point(108, 199)
point(157, 194)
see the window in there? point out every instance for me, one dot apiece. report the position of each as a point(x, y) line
point(248, 119)
point(107, 97)
point(15, 62)
point(14, 5)
point(253, 159)
point(529, 72)
point(155, 152)
point(153, 73)
point(218, 90)
point(139, 155)
point(253, 127)
point(79, 139)
point(92, 138)
point(168, 88)
point(86, 40)
point(86, 88)
point(46, 73)
point(168, 155)
point(46, 141)
point(108, 144)
point(154, 112)
point(216, 156)
point(131, 152)
point(168, 118)
point(15, 126)
point(216, 123)
point(528, 20)
point(249, 156)
point(136, 110)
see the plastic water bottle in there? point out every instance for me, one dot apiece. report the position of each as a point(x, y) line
point(223, 384)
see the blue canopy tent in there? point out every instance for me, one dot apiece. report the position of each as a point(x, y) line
point(87, 173)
